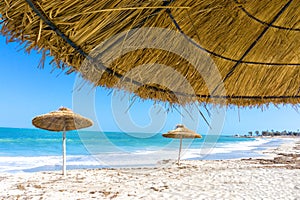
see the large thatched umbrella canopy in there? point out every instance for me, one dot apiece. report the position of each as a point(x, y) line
point(253, 44)
point(64, 120)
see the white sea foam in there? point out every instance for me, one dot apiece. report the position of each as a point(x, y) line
point(41, 163)
point(145, 157)
point(223, 148)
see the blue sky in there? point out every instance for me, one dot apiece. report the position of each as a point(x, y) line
point(27, 91)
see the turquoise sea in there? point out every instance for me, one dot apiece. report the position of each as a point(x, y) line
point(31, 150)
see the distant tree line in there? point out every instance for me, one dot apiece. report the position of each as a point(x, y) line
point(274, 133)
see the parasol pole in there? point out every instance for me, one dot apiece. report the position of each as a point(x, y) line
point(179, 150)
point(64, 152)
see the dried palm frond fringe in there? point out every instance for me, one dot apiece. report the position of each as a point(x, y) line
point(254, 46)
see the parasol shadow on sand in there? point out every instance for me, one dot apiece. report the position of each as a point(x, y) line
point(64, 120)
point(181, 132)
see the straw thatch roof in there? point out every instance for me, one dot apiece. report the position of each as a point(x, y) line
point(181, 132)
point(63, 119)
point(254, 46)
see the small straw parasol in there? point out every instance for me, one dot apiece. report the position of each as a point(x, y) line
point(181, 132)
point(62, 120)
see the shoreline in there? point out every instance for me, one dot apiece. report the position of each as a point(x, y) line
point(252, 149)
point(286, 144)
point(275, 177)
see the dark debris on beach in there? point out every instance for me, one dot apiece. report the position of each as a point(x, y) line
point(285, 160)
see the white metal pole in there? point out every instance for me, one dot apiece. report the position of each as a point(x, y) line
point(179, 149)
point(64, 153)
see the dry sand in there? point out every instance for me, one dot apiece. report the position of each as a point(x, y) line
point(275, 177)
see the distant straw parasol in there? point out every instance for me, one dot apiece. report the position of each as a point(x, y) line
point(62, 120)
point(181, 132)
point(253, 44)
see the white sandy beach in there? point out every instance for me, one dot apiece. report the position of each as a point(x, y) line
point(274, 177)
